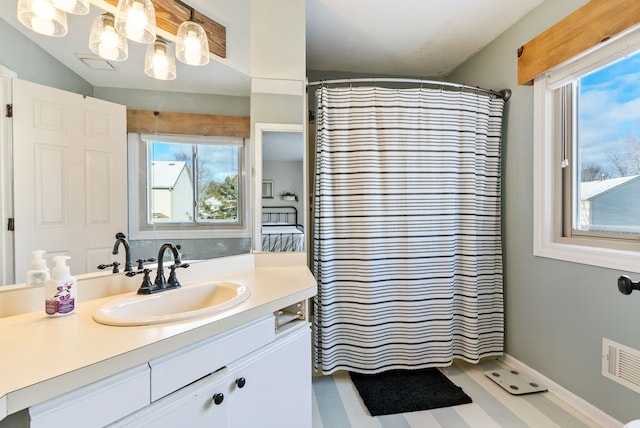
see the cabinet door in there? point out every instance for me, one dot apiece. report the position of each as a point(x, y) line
point(201, 404)
point(272, 386)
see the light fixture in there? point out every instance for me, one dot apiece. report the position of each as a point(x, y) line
point(42, 17)
point(192, 45)
point(136, 20)
point(76, 7)
point(105, 41)
point(159, 61)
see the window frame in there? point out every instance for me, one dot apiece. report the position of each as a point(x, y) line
point(138, 183)
point(547, 153)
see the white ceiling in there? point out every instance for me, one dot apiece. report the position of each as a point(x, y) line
point(415, 38)
point(395, 37)
point(404, 37)
point(225, 76)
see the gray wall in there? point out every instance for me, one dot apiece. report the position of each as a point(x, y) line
point(556, 312)
point(286, 175)
point(34, 64)
point(138, 99)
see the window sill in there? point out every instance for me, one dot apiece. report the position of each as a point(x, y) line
point(592, 256)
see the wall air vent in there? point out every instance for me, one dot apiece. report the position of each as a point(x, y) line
point(621, 364)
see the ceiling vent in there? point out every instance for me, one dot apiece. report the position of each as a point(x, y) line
point(95, 62)
point(621, 364)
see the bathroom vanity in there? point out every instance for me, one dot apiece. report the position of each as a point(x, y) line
point(247, 366)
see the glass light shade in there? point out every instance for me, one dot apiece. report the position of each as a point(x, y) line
point(76, 7)
point(136, 20)
point(105, 41)
point(42, 17)
point(192, 45)
point(159, 61)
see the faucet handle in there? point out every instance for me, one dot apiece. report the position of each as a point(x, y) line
point(179, 265)
point(141, 261)
point(134, 273)
point(147, 286)
point(114, 264)
point(173, 279)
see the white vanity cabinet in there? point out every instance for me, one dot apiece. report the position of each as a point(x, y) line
point(184, 366)
point(270, 387)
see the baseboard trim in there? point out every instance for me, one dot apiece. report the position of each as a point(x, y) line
point(584, 407)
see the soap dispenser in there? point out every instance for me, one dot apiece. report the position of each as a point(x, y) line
point(38, 272)
point(61, 290)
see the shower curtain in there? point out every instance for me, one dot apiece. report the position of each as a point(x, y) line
point(407, 237)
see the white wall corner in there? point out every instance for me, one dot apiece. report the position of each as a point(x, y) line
point(582, 406)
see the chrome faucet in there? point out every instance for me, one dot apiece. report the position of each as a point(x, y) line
point(122, 239)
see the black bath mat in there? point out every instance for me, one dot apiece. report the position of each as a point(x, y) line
point(400, 391)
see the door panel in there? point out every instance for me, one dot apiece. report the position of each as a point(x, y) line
point(69, 176)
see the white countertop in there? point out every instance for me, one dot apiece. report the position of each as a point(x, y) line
point(44, 357)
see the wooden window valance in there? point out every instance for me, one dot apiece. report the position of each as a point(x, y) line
point(146, 121)
point(594, 23)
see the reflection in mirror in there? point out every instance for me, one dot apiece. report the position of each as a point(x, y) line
point(282, 216)
point(267, 189)
point(220, 88)
point(192, 190)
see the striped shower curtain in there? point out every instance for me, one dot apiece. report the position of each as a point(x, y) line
point(407, 237)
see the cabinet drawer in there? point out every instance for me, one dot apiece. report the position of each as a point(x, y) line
point(180, 368)
point(193, 406)
point(97, 404)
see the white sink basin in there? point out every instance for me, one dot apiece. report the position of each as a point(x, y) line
point(187, 302)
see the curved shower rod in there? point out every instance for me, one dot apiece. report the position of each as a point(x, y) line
point(504, 94)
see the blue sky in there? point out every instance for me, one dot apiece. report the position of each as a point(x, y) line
point(609, 109)
point(223, 160)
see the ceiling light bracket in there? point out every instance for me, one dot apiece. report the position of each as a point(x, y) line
point(171, 13)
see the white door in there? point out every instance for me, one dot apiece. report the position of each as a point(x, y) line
point(70, 186)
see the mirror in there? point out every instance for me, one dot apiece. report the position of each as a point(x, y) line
point(220, 88)
point(280, 221)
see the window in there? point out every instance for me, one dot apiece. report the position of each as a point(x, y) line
point(606, 153)
point(587, 158)
point(188, 184)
